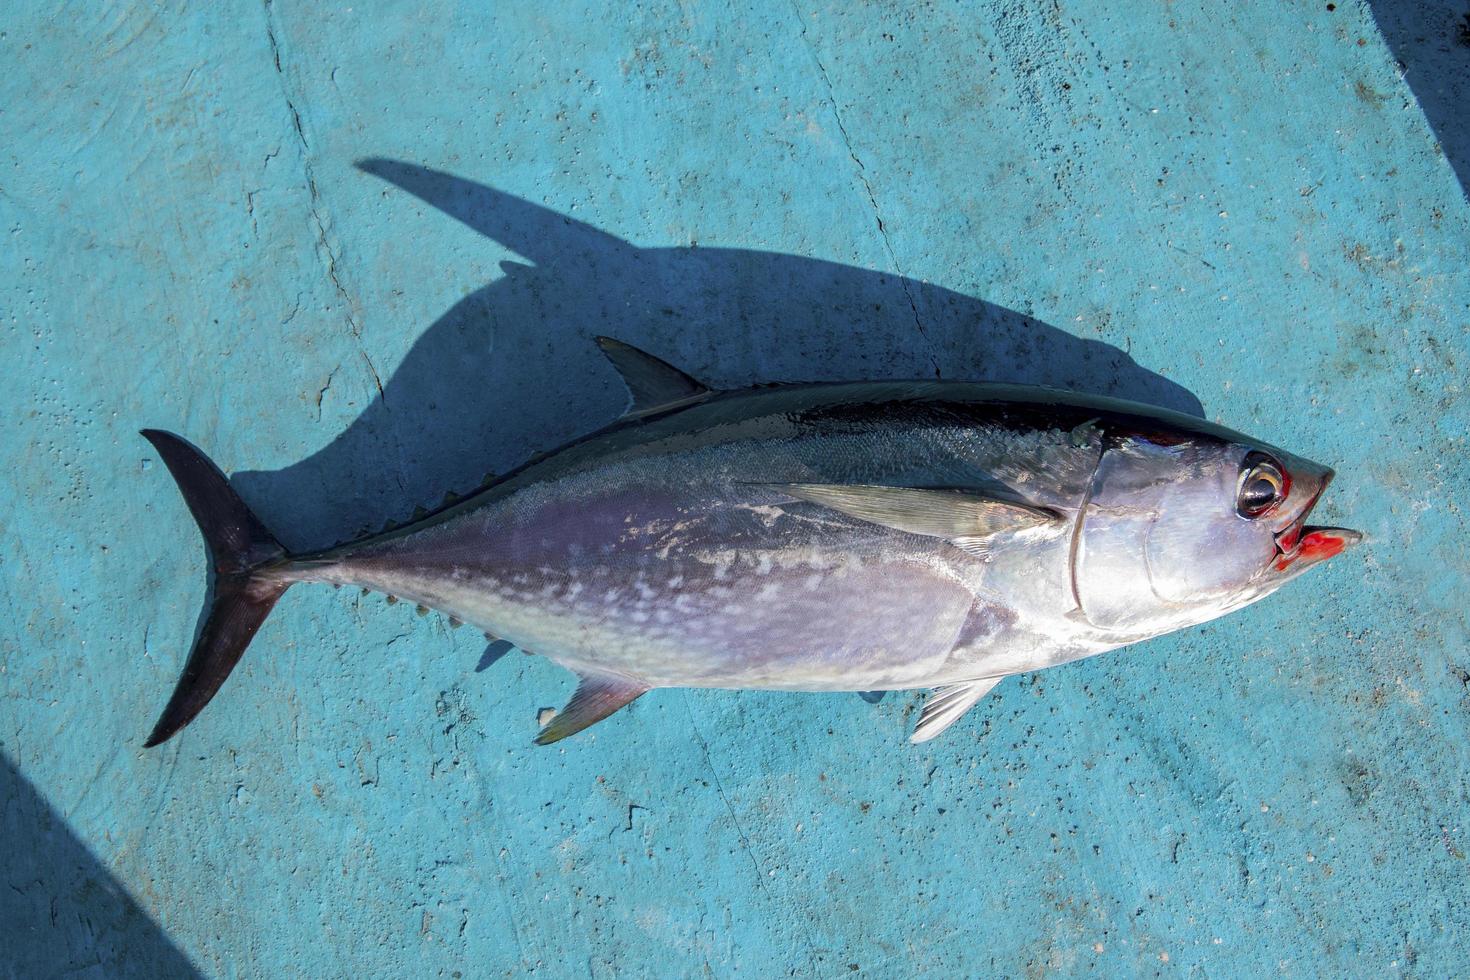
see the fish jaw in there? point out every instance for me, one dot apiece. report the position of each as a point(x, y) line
point(1300, 546)
point(1314, 546)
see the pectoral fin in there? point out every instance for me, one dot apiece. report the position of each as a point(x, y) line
point(953, 514)
point(945, 706)
point(597, 697)
point(653, 384)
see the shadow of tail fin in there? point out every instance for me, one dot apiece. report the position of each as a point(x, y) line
point(242, 556)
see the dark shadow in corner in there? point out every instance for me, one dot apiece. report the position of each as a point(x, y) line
point(61, 911)
point(511, 369)
point(1430, 39)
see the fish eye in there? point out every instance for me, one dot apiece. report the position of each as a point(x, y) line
point(1263, 485)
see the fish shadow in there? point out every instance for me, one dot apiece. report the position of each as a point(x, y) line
point(61, 911)
point(511, 369)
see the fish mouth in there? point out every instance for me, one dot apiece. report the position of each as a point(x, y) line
point(1300, 545)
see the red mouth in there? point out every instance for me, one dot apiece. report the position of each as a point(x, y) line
point(1321, 543)
point(1300, 543)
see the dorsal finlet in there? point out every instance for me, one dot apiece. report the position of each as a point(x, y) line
point(654, 384)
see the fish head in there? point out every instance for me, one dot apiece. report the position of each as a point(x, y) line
point(1184, 526)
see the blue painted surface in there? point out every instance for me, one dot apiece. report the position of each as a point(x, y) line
point(1240, 209)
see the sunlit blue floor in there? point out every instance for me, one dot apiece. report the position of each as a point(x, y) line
point(358, 254)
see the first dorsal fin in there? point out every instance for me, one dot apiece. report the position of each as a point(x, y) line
point(597, 697)
point(653, 384)
point(945, 706)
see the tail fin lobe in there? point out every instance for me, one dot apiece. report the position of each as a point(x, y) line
point(241, 595)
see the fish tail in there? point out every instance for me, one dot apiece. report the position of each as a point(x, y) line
point(243, 557)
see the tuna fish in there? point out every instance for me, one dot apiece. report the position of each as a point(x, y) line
point(865, 536)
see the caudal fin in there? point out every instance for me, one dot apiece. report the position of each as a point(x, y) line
point(241, 591)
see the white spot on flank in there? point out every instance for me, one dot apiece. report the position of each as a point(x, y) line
point(768, 513)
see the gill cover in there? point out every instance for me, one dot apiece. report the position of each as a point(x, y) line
point(1159, 537)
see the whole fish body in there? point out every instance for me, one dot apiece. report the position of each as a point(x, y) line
point(827, 537)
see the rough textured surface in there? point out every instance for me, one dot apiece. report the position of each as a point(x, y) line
point(1246, 200)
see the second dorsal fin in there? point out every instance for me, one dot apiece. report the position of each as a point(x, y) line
point(653, 384)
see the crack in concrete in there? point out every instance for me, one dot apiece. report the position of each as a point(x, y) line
point(720, 791)
point(322, 391)
point(760, 880)
point(314, 195)
point(862, 174)
point(163, 798)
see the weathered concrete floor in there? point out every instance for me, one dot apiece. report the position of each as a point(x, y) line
point(1237, 206)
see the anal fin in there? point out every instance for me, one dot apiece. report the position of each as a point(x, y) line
point(597, 696)
point(947, 704)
